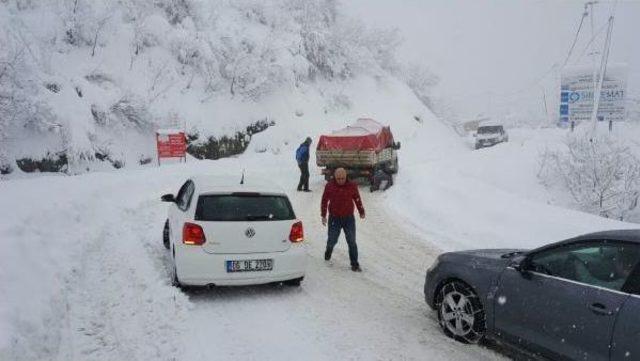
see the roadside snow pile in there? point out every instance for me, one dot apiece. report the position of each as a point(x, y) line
point(84, 81)
point(83, 258)
point(491, 197)
point(601, 172)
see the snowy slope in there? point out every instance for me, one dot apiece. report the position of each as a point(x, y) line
point(90, 80)
point(491, 198)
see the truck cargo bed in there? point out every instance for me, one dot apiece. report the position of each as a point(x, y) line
point(353, 158)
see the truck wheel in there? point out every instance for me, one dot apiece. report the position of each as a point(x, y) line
point(391, 167)
point(396, 166)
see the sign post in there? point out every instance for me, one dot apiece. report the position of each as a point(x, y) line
point(577, 96)
point(171, 143)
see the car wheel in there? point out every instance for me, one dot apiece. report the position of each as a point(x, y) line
point(460, 312)
point(165, 234)
point(294, 282)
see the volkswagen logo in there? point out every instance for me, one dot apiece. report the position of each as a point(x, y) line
point(250, 232)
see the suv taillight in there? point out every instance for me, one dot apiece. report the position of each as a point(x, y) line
point(192, 234)
point(297, 233)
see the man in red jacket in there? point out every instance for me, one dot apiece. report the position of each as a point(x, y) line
point(339, 197)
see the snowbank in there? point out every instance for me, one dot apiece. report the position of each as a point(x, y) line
point(490, 198)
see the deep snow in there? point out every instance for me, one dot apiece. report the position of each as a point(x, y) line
point(86, 277)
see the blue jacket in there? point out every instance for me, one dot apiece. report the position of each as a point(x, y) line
point(302, 153)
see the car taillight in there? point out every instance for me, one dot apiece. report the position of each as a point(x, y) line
point(192, 234)
point(297, 233)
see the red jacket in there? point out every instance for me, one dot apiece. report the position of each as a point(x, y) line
point(340, 199)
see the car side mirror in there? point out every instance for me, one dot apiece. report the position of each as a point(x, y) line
point(396, 146)
point(168, 198)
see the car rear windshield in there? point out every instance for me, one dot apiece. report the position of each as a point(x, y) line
point(243, 207)
point(490, 130)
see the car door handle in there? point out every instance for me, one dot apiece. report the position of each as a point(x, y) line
point(600, 309)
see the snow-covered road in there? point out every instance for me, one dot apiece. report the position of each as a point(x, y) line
point(86, 276)
point(378, 314)
point(111, 298)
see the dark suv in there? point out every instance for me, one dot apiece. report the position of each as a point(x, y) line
point(578, 299)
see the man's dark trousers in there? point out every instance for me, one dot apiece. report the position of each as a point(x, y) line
point(348, 224)
point(304, 176)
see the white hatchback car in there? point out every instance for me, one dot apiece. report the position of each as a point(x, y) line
point(230, 234)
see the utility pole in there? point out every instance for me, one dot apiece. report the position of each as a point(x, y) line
point(603, 70)
point(544, 100)
point(591, 6)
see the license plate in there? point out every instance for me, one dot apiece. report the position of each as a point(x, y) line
point(250, 265)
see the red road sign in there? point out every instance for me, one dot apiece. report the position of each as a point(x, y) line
point(171, 144)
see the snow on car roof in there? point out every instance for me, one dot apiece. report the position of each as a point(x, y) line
point(215, 183)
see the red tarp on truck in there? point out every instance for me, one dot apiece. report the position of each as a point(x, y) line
point(364, 134)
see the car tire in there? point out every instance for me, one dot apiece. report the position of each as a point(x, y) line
point(165, 235)
point(460, 312)
point(294, 282)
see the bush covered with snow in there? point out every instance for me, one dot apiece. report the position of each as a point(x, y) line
point(601, 173)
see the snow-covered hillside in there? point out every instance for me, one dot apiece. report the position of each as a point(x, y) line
point(83, 81)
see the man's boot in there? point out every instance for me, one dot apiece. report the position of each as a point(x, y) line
point(327, 254)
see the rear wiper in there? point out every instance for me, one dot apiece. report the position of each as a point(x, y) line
point(259, 218)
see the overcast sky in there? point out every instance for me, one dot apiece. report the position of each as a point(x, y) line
point(479, 47)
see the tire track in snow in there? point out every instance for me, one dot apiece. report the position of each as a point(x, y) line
point(388, 294)
point(379, 314)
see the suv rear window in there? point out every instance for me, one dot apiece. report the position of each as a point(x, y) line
point(243, 207)
point(490, 129)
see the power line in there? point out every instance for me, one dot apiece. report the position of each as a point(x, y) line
point(552, 68)
point(593, 38)
point(575, 38)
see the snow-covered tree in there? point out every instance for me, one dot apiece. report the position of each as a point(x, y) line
point(601, 174)
point(87, 70)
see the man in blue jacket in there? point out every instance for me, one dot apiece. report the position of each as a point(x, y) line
point(302, 157)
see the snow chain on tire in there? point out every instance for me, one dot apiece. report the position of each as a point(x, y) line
point(460, 312)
